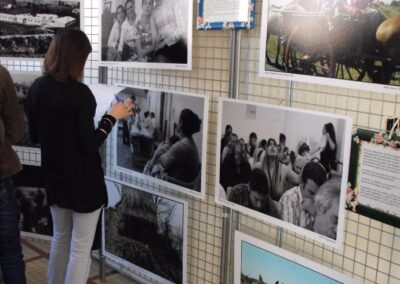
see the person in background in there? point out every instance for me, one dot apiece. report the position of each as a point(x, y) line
point(147, 32)
point(229, 150)
point(259, 151)
point(326, 204)
point(305, 151)
point(226, 137)
point(12, 129)
point(125, 122)
point(61, 113)
point(115, 34)
point(255, 194)
point(252, 145)
point(283, 151)
point(127, 50)
point(328, 148)
point(293, 201)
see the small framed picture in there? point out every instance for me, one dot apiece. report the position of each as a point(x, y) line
point(225, 15)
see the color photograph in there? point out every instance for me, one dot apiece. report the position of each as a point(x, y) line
point(31, 195)
point(165, 140)
point(284, 165)
point(146, 34)
point(23, 81)
point(146, 232)
point(353, 44)
point(27, 27)
point(258, 262)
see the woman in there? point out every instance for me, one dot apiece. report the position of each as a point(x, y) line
point(129, 34)
point(328, 148)
point(147, 32)
point(277, 173)
point(181, 161)
point(171, 46)
point(61, 111)
point(115, 34)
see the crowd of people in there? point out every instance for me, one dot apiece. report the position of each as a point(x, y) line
point(298, 186)
point(32, 46)
point(157, 35)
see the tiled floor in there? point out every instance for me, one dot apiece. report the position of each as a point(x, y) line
point(36, 255)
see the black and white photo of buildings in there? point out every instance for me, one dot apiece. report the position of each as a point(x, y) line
point(165, 139)
point(284, 165)
point(27, 27)
point(146, 231)
point(32, 202)
point(148, 33)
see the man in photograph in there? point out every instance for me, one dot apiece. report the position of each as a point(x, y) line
point(255, 194)
point(297, 203)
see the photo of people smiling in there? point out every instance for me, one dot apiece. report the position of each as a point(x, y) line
point(146, 33)
point(284, 165)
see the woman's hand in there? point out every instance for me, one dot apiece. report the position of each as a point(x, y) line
point(121, 110)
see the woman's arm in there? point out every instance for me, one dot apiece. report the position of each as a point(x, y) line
point(113, 38)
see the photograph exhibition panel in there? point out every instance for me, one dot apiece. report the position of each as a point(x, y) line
point(353, 45)
point(285, 166)
point(146, 34)
point(165, 141)
point(23, 81)
point(260, 262)
point(374, 180)
point(146, 232)
point(27, 27)
point(225, 14)
point(31, 196)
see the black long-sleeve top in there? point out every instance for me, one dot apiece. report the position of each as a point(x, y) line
point(61, 118)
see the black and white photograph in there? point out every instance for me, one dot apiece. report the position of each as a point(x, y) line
point(146, 232)
point(258, 262)
point(353, 44)
point(146, 33)
point(31, 196)
point(284, 165)
point(23, 81)
point(27, 27)
point(165, 139)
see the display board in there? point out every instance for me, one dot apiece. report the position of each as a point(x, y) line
point(27, 27)
point(306, 197)
point(146, 231)
point(351, 45)
point(146, 34)
point(31, 196)
point(165, 140)
point(374, 181)
point(260, 262)
point(225, 14)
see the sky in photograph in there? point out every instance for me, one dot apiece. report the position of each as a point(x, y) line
point(256, 261)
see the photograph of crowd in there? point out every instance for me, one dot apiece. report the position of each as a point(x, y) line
point(165, 139)
point(27, 27)
point(284, 163)
point(32, 202)
point(147, 33)
point(146, 231)
point(351, 40)
point(23, 81)
point(258, 262)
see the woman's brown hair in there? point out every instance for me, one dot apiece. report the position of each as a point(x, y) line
point(67, 55)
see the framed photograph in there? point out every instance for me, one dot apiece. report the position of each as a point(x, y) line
point(146, 232)
point(23, 81)
point(260, 262)
point(27, 27)
point(225, 15)
point(374, 183)
point(352, 45)
point(165, 141)
point(31, 196)
point(146, 34)
point(285, 166)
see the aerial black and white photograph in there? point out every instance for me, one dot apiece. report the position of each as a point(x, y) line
point(165, 139)
point(284, 165)
point(146, 34)
point(146, 232)
point(32, 201)
point(23, 81)
point(27, 27)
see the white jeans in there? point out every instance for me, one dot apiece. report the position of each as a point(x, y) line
point(73, 235)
